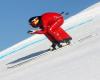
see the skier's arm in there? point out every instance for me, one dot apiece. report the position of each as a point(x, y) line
point(38, 32)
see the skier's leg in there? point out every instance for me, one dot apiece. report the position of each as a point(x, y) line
point(53, 45)
point(59, 44)
point(52, 40)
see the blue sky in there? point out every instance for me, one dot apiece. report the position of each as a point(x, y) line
point(14, 15)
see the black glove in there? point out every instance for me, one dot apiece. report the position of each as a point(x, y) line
point(29, 31)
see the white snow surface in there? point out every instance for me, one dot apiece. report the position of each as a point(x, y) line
point(79, 61)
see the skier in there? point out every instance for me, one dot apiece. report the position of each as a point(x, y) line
point(49, 24)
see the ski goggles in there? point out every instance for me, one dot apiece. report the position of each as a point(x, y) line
point(35, 21)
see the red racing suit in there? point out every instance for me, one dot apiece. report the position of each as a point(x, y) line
point(51, 23)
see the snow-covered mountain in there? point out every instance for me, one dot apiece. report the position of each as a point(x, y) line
point(29, 59)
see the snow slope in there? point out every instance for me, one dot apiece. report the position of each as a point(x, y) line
point(29, 59)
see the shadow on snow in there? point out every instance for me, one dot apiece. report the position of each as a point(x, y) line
point(33, 55)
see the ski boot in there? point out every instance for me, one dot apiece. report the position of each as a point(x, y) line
point(66, 41)
point(55, 45)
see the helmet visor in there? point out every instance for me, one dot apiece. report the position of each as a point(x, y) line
point(34, 22)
